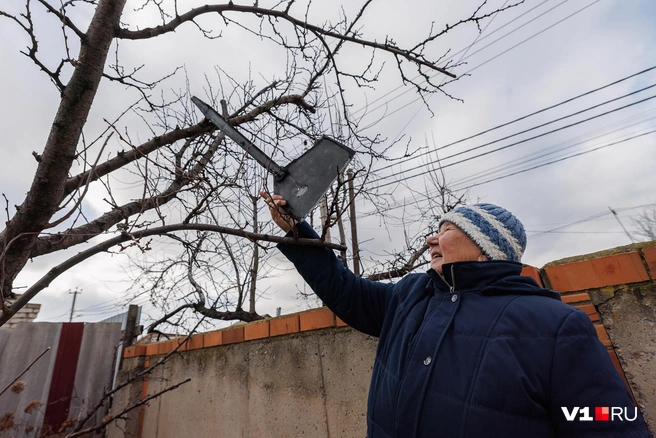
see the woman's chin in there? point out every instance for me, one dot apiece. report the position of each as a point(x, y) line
point(437, 266)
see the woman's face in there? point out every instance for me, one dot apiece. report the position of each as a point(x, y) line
point(452, 245)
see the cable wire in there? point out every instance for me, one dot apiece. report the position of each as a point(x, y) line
point(482, 154)
point(587, 93)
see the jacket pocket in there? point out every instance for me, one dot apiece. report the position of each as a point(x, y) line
point(385, 387)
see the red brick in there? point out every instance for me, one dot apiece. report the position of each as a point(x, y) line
point(152, 349)
point(533, 272)
point(590, 310)
point(213, 338)
point(575, 298)
point(284, 325)
point(193, 343)
point(602, 334)
point(135, 351)
point(168, 346)
point(182, 343)
point(340, 323)
point(317, 319)
point(256, 330)
point(233, 335)
point(604, 271)
point(650, 258)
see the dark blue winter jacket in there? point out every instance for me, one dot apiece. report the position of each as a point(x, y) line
point(482, 352)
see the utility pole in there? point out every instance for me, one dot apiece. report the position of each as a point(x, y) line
point(323, 208)
point(621, 224)
point(354, 227)
point(340, 224)
point(75, 294)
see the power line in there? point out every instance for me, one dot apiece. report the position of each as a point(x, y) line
point(491, 59)
point(428, 197)
point(526, 130)
point(443, 80)
point(587, 93)
point(590, 218)
point(603, 132)
point(482, 154)
point(462, 59)
point(466, 49)
point(558, 160)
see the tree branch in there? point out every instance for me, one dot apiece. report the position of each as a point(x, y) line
point(55, 272)
point(231, 7)
point(111, 418)
point(409, 266)
point(64, 19)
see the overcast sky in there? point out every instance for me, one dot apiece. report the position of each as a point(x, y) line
point(525, 60)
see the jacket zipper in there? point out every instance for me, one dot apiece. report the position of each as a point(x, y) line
point(452, 289)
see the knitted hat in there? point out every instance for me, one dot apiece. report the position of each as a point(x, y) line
point(495, 230)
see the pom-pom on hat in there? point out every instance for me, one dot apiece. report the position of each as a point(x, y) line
point(496, 231)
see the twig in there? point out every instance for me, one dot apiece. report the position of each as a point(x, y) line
point(126, 410)
point(86, 187)
point(24, 371)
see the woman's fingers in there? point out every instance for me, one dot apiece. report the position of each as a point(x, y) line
point(275, 203)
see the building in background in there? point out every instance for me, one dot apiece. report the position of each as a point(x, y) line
point(27, 314)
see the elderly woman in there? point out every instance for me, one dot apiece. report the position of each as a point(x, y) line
point(471, 348)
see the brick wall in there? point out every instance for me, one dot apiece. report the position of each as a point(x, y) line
point(27, 314)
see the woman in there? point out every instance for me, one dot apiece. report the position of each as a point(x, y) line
point(470, 348)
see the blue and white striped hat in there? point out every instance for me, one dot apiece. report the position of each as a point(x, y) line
point(496, 231)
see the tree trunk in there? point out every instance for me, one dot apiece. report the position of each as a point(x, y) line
point(42, 200)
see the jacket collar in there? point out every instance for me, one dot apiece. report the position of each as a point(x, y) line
point(489, 278)
point(473, 275)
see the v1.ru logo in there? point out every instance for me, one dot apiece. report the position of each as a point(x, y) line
point(603, 413)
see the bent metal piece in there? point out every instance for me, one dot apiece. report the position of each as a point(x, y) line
point(303, 181)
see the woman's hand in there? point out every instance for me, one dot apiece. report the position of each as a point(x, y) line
point(278, 214)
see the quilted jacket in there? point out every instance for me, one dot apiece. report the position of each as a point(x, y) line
point(480, 352)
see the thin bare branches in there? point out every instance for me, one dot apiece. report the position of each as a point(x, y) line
point(409, 266)
point(64, 19)
point(25, 370)
point(111, 418)
point(170, 173)
point(388, 46)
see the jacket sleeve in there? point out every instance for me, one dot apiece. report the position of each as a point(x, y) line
point(583, 376)
point(359, 302)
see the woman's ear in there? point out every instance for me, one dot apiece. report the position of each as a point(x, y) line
point(483, 258)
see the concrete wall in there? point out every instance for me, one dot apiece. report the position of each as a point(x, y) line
point(621, 286)
point(629, 315)
point(308, 375)
point(305, 385)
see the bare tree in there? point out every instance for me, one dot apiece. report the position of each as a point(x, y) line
point(441, 199)
point(188, 181)
point(646, 223)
